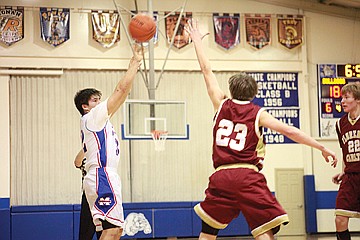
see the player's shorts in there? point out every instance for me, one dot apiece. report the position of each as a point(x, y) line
point(103, 191)
point(234, 190)
point(348, 197)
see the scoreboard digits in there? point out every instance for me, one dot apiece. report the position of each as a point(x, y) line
point(331, 78)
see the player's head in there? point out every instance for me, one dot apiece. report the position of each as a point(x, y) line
point(242, 87)
point(83, 99)
point(353, 88)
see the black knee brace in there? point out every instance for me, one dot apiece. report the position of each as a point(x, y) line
point(208, 229)
point(345, 235)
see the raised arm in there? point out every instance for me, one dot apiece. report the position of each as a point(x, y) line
point(215, 93)
point(295, 134)
point(123, 87)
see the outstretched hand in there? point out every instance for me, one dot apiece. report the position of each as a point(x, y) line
point(330, 155)
point(138, 52)
point(193, 30)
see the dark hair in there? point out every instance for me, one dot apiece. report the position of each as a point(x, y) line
point(242, 87)
point(353, 88)
point(83, 97)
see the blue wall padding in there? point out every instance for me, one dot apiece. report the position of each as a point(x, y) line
point(42, 222)
point(173, 222)
point(4, 203)
point(5, 223)
point(310, 204)
point(326, 199)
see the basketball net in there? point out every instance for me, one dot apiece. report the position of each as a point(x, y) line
point(159, 138)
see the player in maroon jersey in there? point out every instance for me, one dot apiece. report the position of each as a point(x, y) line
point(238, 150)
point(348, 131)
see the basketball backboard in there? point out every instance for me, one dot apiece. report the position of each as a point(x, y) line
point(143, 116)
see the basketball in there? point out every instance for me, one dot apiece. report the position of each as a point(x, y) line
point(142, 27)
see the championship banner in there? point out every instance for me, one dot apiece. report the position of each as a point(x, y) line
point(226, 29)
point(258, 29)
point(11, 24)
point(278, 94)
point(106, 27)
point(290, 30)
point(55, 25)
point(182, 38)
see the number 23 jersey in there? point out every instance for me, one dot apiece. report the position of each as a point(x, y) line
point(237, 137)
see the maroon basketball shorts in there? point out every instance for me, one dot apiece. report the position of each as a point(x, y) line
point(235, 190)
point(348, 197)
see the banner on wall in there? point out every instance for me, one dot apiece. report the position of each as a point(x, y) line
point(226, 29)
point(106, 27)
point(55, 25)
point(182, 37)
point(11, 24)
point(278, 94)
point(258, 30)
point(290, 30)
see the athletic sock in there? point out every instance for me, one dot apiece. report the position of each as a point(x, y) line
point(345, 235)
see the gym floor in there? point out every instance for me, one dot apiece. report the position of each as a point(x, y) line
point(354, 236)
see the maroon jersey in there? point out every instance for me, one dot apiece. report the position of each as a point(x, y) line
point(236, 133)
point(348, 132)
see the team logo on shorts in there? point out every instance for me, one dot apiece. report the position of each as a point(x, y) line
point(104, 201)
point(11, 24)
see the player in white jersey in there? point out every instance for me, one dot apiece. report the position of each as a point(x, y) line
point(101, 148)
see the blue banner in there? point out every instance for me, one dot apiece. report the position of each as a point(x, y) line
point(55, 25)
point(278, 93)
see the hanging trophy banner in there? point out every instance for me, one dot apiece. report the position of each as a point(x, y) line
point(11, 24)
point(226, 29)
point(55, 25)
point(106, 27)
point(290, 30)
point(182, 37)
point(258, 30)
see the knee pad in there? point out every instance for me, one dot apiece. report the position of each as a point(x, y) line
point(208, 229)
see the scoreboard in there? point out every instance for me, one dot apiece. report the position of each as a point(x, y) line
point(331, 78)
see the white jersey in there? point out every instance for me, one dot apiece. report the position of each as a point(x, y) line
point(100, 141)
point(102, 183)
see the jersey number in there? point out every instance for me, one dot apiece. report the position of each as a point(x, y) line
point(226, 128)
point(354, 146)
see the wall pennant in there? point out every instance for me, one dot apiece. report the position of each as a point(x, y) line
point(258, 30)
point(55, 25)
point(182, 38)
point(226, 30)
point(11, 24)
point(290, 30)
point(106, 27)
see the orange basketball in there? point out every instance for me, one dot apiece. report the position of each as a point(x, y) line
point(142, 27)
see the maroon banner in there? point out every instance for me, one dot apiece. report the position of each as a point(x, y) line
point(11, 24)
point(182, 38)
point(258, 29)
point(226, 29)
point(290, 30)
